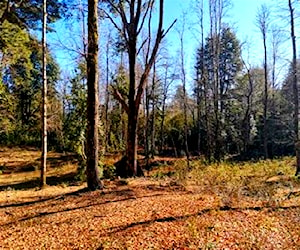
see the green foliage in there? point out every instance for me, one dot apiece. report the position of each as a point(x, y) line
point(230, 180)
point(174, 124)
point(20, 89)
point(15, 50)
point(74, 123)
point(117, 117)
point(28, 13)
point(6, 112)
point(109, 172)
point(162, 174)
point(216, 71)
point(81, 174)
point(121, 82)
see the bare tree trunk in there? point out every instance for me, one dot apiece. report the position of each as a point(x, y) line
point(44, 96)
point(166, 86)
point(263, 23)
point(248, 113)
point(131, 151)
point(276, 40)
point(92, 147)
point(162, 124)
point(153, 116)
point(131, 27)
point(201, 17)
point(183, 78)
point(216, 7)
point(107, 95)
point(265, 114)
point(147, 124)
point(209, 149)
point(295, 90)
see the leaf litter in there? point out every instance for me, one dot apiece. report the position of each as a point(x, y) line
point(138, 217)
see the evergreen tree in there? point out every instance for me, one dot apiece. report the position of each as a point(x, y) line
point(28, 13)
point(208, 93)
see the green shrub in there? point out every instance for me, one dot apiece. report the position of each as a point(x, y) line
point(109, 172)
point(161, 174)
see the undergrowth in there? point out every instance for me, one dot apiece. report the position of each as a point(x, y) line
point(236, 181)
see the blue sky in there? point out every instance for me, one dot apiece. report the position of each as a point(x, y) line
point(241, 16)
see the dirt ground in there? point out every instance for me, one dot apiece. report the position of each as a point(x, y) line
point(142, 213)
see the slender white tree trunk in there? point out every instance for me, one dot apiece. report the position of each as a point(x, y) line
point(44, 96)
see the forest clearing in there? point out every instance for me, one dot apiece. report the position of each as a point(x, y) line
point(149, 124)
point(211, 206)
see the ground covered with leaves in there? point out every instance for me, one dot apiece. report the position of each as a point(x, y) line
point(218, 206)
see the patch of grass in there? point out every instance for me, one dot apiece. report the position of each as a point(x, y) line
point(225, 172)
point(232, 181)
point(21, 168)
point(162, 174)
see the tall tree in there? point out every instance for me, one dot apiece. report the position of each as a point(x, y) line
point(275, 47)
point(132, 25)
point(217, 10)
point(295, 87)
point(44, 96)
point(217, 96)
point(200, 9)
point(263, 24)
point(92, 148)
point(167, 79)
point(245, 124)
point(107, 99)
point(183, 79)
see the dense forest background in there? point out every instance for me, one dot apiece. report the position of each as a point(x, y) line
point(223, 105)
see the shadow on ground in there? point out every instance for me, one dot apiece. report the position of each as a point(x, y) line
point(119, 196)
point(118, 229)
point(33, 164)
point(51, 181)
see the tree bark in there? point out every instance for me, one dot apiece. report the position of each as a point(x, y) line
point(131, 151)
point(183, 75)
point(263, 22)
point(44, 104)
point(153, 116)
point(131, 28)
point(246, 120)
point(266, 99)
point(295, 89)
point(166, 86)
point(107, 132)
point(92, 173)
point(202, 77)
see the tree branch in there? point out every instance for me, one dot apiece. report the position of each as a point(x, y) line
point(123, 17)
point(159, 36)
point(120, 98)
point(144, 17)
point(170, 27)
point(138, 15)
point(112, 21)
point(142, 45)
